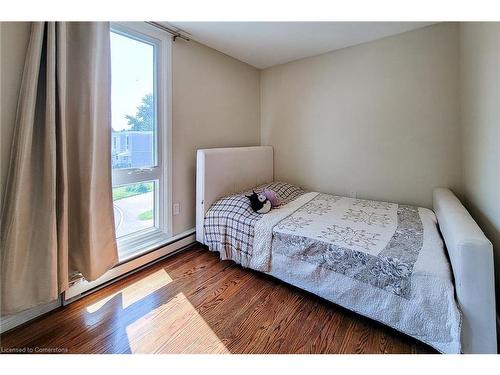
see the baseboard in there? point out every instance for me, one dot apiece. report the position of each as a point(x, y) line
point(178, 243)
point(11, 321)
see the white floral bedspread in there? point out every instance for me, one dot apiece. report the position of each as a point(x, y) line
point(374, 242)
point(382, 260)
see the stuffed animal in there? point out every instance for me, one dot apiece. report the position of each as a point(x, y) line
point(273, 197)
point(259, 203)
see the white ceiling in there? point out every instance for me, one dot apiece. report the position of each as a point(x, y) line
point(264, 44)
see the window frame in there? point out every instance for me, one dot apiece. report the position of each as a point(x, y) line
point(135, 243)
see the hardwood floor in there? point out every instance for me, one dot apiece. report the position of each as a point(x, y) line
point(194, 303)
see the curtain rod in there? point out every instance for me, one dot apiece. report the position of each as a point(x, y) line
point(175, 34)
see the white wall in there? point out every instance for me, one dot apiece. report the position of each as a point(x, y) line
point(215, 104)
point(381, 118)
point(480, 78)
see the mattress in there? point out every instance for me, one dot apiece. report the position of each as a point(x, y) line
point(382, 260)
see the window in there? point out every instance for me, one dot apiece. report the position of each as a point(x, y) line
point(140, 136)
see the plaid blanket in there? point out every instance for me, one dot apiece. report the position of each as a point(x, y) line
point(229, 223)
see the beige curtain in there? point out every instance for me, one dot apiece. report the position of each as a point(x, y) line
point(57, 216)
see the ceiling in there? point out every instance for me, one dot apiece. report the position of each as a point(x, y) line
point(264, 44)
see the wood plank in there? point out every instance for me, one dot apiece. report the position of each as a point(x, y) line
point(195, 303)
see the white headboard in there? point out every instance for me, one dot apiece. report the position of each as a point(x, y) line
point(224, 171)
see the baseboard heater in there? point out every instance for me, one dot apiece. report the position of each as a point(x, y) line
point(142, 260)
point(129, 266)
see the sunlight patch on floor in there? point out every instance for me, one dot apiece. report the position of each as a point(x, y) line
point(136, 291)
point(174, 327)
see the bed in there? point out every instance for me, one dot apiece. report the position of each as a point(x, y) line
point(427, 274)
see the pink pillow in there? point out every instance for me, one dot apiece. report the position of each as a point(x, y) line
point(273, 197)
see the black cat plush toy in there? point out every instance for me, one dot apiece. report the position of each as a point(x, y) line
point(259, 203)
